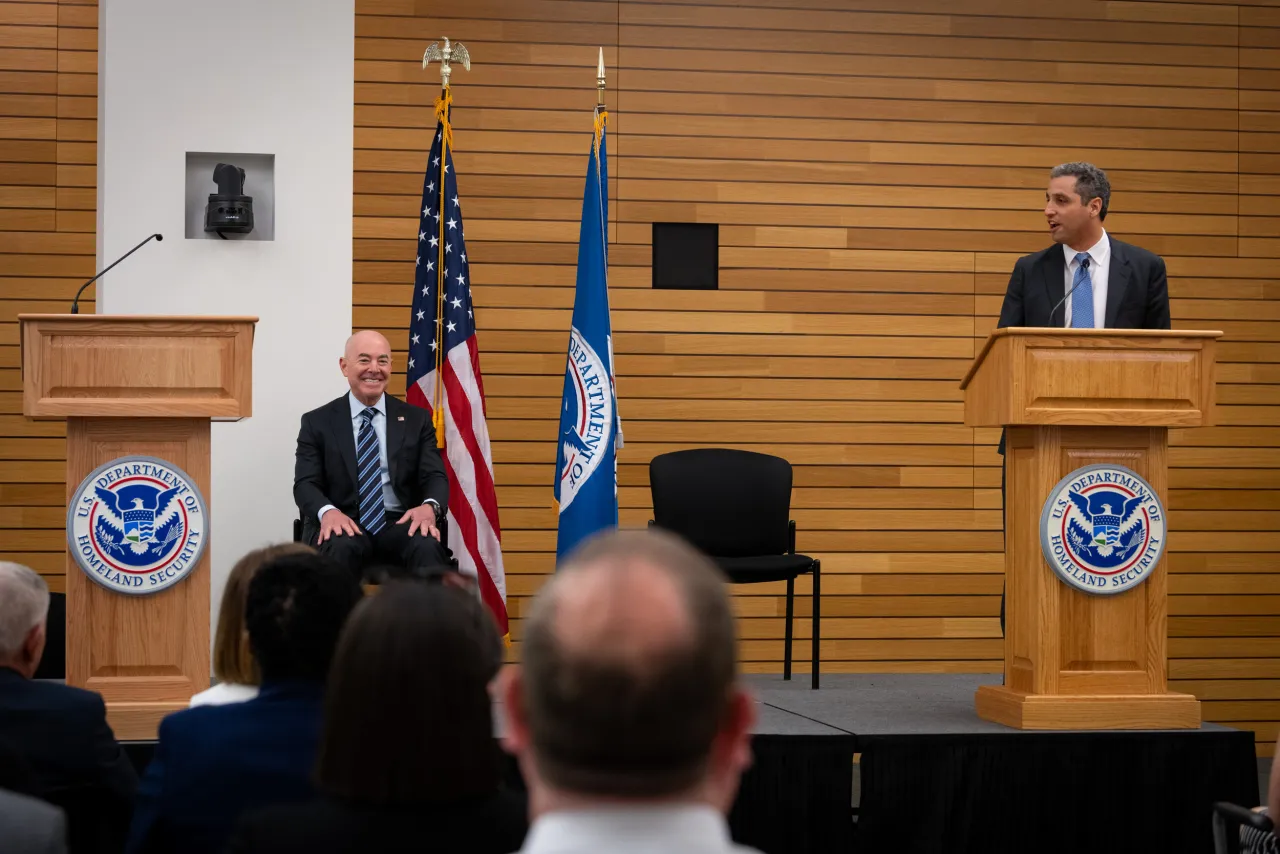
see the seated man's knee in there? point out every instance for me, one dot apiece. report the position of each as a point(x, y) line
point(351, 552)
point(425, 553)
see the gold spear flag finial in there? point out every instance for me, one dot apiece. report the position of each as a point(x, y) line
point(456, 52)
point(600, 80)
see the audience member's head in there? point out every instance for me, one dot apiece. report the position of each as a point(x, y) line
point(294, 612)
point(408, 719)
point(233, 660)
point(24, 607)
point(628, 685)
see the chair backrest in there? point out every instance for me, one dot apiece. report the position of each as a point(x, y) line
point(1234, 825)
point(726, 502)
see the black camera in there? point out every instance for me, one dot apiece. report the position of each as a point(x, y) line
point(229, 210)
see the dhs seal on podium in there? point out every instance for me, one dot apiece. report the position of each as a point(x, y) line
point(1102, 529)
point(137, 525)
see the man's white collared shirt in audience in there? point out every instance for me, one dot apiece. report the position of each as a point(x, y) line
point(683, 828)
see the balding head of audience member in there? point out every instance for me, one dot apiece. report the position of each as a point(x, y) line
point(24, 609)
point(628, 688)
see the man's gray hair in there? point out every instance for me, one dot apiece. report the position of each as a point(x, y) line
point(24, 604)
point(1091, 183)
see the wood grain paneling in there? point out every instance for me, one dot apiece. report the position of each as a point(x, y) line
point(48, 152)
point(876, 166)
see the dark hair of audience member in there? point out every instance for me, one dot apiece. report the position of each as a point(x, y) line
point(408, 717)
point(232, 659)
point(604, 723)
point(294, 612)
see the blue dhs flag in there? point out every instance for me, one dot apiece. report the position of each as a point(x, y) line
point(586, 486)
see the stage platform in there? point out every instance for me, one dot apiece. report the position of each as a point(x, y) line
point(931, 776)
point(900, 763)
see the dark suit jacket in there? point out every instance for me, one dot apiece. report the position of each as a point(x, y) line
point(61, 736)
point(213, 763)
point(325, 468)
point(1137, 290)
point(492, 825)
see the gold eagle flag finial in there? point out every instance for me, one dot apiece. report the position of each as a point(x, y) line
point(451, 52)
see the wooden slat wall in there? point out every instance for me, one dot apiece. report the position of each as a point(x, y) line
point(876, 166)
point(48, 181)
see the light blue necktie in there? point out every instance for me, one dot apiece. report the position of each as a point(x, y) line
point(369, 476)
point(1082, 295)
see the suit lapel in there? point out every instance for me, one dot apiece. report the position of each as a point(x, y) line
point(395, 433)
point(345, 434)
point(1117, 281)
point(1054, 268)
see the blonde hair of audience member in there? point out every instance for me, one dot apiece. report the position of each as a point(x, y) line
point(24, 610)
point(233, 661)
point(628, 689)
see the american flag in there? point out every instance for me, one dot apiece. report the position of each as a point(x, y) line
point(444, 373)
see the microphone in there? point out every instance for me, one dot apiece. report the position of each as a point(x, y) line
point(1053, 310)
point(75, 303)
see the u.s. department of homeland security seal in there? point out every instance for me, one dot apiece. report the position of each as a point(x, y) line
point(1102, 529)
point(137, 525)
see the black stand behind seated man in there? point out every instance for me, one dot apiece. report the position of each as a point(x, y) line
point(368, 480)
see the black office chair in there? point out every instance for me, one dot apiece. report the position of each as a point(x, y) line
point(1238, 829)
point(735, 506)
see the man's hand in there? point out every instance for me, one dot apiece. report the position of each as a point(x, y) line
point(336, 523)
point(421, 518)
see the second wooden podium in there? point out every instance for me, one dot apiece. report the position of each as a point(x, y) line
point(1071, 400)
point(138, 394)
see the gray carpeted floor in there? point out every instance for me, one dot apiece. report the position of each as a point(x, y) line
point(886, 704)
point(874, 704)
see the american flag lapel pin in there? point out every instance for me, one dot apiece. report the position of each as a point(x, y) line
point(399, 417)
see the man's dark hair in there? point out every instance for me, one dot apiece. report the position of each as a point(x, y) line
point(408, 716)
point(1091, 183)
point(605, 725)
point(294, 612)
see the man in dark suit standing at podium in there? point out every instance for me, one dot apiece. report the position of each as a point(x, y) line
point(368, 479)
point(1087, 279)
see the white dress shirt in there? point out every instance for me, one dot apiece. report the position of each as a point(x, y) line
point(668, 829)
point(1099, 270)
point(224, 693)
point(389, 498)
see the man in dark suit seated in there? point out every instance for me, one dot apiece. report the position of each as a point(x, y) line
point(214, 762)
point(368, 480)
point(58, 734)
point(1087, 279)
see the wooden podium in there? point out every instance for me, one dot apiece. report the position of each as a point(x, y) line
point(1071, 398)
point(148, 386)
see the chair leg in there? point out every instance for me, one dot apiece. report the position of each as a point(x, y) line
point(817, 617)
point(786, 644)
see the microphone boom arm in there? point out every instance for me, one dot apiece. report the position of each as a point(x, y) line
point(75, 303)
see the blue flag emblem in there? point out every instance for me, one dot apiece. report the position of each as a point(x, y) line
point(586, 486)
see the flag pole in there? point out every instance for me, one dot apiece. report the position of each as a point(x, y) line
point(444, 104)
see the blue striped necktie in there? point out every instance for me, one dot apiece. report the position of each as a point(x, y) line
point(369, 476)
point(1082, 294)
